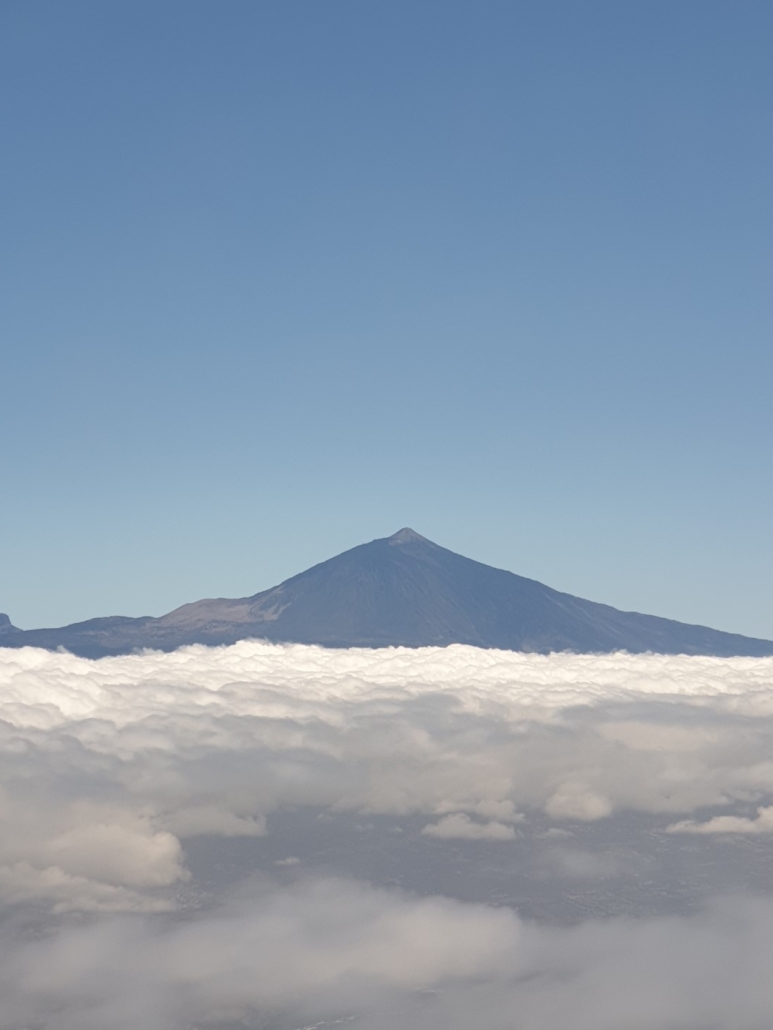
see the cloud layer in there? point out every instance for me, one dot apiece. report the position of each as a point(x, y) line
point(109, 766)
point(109, 769)
point(338, 952)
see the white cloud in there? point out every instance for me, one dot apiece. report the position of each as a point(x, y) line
point(459, 826)
point(762, 823)
point(114, 847)
point(64, 892)
point(107, 765)
point(325, 950)
point(314, 947)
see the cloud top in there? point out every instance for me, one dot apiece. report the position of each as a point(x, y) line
point(110, 769)
point(109, 766)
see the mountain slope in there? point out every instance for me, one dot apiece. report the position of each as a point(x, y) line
point(401, 590)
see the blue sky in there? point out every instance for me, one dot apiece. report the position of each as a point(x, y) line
point(279, 278)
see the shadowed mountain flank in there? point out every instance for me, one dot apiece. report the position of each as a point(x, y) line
point(400, 590)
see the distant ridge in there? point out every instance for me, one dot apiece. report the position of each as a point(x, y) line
point(399, 590)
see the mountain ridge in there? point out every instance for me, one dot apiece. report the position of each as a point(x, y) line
point(398, 590)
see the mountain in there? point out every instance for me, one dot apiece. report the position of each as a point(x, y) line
point(399, 590)
point(5, 625)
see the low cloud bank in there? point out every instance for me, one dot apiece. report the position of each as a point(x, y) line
point(108, 767)
point(323, 951)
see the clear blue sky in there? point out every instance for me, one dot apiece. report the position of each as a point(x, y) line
point(279, 278)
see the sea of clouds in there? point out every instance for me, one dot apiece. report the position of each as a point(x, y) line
point(108, 768)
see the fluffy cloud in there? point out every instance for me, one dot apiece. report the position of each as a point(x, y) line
point(110, 765)
point(459, 826)
point(327, 950)
point(110, 770)
point(308, 950)
point(762, 823)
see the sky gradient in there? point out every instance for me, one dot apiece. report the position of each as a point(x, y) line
point(279, 278)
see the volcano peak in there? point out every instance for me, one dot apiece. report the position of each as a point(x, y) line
point(402, 590)
point(406, 535)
